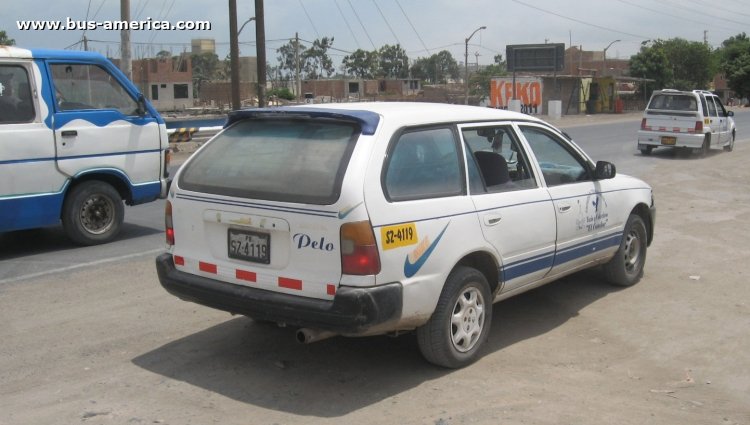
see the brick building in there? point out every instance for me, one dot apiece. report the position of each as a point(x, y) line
point(166, 82)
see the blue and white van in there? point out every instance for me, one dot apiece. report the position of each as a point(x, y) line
point(77, 139)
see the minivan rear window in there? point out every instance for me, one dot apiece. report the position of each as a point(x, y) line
point(286, 160)
point(674, 102)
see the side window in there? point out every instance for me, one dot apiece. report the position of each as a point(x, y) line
point(81, 86)
point(711, 106)
point(16, 102)
point(422, 164)
point(720, 107)
point(499, 158)
point(559, 165)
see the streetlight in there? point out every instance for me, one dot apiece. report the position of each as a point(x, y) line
point(243, 25)
point(466, 64)
point(604, 64)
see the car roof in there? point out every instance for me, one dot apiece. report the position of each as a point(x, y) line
point(21, 53)
point(369, 114)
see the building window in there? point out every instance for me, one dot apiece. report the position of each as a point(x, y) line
point(180, 91)
point(353, 87)
point(154, 92)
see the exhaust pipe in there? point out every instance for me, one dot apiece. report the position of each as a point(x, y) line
point(307, 336)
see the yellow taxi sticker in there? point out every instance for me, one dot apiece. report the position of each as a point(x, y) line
point(398, 235)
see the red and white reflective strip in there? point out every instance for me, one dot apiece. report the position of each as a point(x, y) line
point(247, 276)
point(673, 130)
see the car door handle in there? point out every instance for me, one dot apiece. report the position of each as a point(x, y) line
point(564, 208)
point(492, 219)
point(69, 133)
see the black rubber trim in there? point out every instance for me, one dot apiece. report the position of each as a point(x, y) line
point(352, 311)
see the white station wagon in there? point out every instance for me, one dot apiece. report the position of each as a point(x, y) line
point(380, 218)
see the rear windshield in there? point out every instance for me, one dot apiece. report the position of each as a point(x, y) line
point(300, 161)
point(674, 102)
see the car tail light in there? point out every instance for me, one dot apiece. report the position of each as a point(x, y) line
point(699, 126)
point(643, 124)
point(169, 227)
point(359, 251)
point(167, 160)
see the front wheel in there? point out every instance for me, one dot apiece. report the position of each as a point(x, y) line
point(92, 213)
point(460, 324)
point(626, 267)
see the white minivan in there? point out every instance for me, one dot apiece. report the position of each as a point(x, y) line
point(77, 139)
point(382, 218)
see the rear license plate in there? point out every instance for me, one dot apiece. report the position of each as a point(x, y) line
point(249, 246)
point(668, 140)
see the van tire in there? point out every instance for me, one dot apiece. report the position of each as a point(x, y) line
point(465, 296)
point(730, 146)
point(646, 150)
point(706, 147)
point(92, 213)
point(626, 267)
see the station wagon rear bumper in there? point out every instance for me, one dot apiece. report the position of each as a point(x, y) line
point(352, 311)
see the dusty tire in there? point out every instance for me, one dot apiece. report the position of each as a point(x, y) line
point(730, 146)
point(647, 150)
point(706, 147)
point(626, 267)
point(460, 324)
point(92, 213)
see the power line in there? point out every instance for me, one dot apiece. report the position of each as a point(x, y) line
point(700, 12)
point(714, 6)
point(670, 15)
point(361, 24)
point(346, 21)
point(581, 22)
point(309, 19)
point(386, 21)
point(412, 27)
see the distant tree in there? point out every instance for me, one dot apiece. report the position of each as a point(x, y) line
point(692, 63)
point(286, 58)
point(734, 61)
point(653, 63)
point(282, 93)
point(361, 63)
point(316, 59)
point(205, 68)
point(437, 68)
point(164, 55)
point(5, 40)
point(393, 61)
point(479, 82)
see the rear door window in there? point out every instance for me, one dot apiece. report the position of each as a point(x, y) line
point(16, 104)
point(301, 161)
point(674, 102)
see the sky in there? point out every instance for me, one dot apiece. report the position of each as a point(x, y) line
point(421, 27)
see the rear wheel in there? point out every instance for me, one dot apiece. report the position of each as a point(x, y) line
point(626, 267)
point(730, 146)
point(92, 213)
point(706, 147)
point(646, 150)
point(461, 322)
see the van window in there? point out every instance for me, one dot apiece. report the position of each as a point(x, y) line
point(301, 161)
point(422, 164)
point(16, 103)
point(83, 86)
point(499, 157)
point(711, 106)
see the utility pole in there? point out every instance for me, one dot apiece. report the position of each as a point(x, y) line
point(298, 82)
point(234, 55)
point(126, 65)
point(260, 38)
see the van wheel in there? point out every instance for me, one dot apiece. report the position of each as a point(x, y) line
point(92, 213)
point(626, 267)
point(460, 324)
point(730, 146)
point(647, 150)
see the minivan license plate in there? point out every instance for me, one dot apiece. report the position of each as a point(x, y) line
point(668, 140)
point(249, 246)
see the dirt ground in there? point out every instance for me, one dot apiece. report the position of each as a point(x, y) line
point(108, 345)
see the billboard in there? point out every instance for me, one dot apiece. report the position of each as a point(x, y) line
point(535, 57)
point(528, 90)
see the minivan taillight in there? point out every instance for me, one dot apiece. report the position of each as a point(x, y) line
point(168, 226)
point(167, 160)
point(643, 124)
point(359, 251)
point(699, 126)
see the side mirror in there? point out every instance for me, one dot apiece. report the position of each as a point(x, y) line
point(141, 105)
point(730, 113)
point(604, 170)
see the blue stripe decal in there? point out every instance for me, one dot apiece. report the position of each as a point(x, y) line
point(30, 211)
point(62, 158)
point(292, 210)
point(46, 92)
point(582, 250)
point(527, 266)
